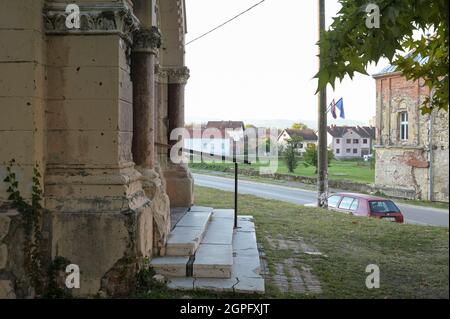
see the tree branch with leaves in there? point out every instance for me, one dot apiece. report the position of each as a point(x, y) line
point(349, 46)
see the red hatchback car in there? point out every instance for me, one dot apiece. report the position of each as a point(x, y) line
point(365, 205)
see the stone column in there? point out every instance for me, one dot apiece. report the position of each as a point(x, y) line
point(146, 44)
point(180, 183)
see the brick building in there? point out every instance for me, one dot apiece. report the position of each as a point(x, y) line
point(411, 148)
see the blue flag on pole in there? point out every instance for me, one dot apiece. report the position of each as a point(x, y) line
point(340, 107)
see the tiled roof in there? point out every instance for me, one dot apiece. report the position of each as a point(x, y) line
point(226, 128)
point(307, 134)
point(363, 131)
point(222, 125)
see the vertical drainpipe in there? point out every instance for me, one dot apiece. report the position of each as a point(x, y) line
point(430, 151)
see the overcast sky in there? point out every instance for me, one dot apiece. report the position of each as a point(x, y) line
point(261, 65)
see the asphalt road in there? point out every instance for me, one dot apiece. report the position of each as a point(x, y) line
point(413, 214)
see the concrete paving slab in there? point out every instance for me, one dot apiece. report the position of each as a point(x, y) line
point(226, 259)
point(215, 284)
point(201, 209)
point(246, 267)
point(170, 266)
point(250, 285)
point(195, 219)
point(244, 243)
point(213, 261)
point(184, 241)
point(220, 231)
point(224, 213)
point(245, 225)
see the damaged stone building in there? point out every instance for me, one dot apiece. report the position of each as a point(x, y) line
point(412, 158)
point(91, 108)
point(87, 111)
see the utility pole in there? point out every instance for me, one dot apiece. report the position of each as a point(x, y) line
point(322, 150)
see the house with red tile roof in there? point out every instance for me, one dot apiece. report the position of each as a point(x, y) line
point(351, 141)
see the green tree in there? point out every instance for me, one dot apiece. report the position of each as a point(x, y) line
point(290, 153)
point(310, 156)
point(349, 46)
point(267, 144)
point(296, 141)
point(299, 126)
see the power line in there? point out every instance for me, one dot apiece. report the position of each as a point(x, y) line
point(226, 22)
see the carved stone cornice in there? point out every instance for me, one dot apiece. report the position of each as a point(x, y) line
point(95, 18)
point(161, 75)
point(147, 40)
point(172, 75)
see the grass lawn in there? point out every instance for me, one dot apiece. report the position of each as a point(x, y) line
point(413, 260)
point(268, 180)
point(338, 170)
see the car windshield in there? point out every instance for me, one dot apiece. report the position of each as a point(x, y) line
point(383, 206)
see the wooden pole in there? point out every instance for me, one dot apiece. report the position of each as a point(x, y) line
point(322, 156)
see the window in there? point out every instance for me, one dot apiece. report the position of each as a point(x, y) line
point(355, 151)
point(333, 201)
point(338, 141)
point(338, 151)
point(383, 206)
point(404, 126)
point(349, 141)
point(348, 150)
point(355, 141)
point(364, 140)
point(346, 203)
point(354, 205)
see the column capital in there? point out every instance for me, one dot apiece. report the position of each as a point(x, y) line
point(147, 40)
point(95, 18)
point(172, 75)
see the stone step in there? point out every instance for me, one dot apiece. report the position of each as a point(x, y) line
point(188, 233)
point(245, 272)
point(214, 257)
point(170, 266)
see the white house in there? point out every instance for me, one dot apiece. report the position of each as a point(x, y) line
point(218, 138)
point(351, 141)
point(308, 136)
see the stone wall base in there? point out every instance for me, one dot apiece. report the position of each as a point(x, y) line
point(179, 186)
point(13, 280)
point(154, 186)
point(108, 234)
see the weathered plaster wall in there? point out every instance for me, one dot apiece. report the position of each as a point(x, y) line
point(402, 168)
